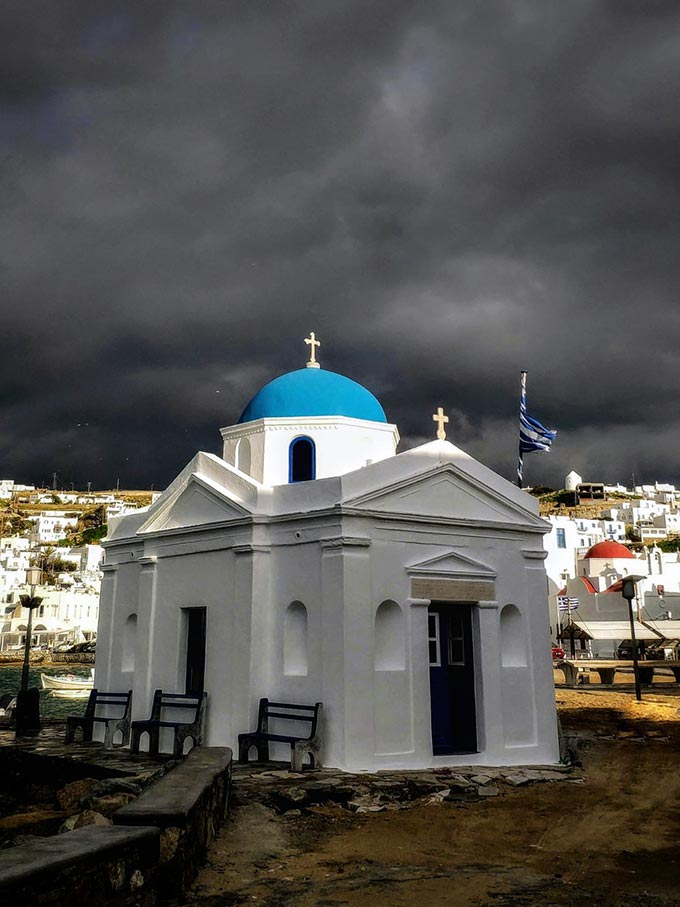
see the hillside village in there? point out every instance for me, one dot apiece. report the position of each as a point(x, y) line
point(601, 533)
point(60, 532)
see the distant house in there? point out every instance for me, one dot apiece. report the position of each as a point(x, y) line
point(48, 528)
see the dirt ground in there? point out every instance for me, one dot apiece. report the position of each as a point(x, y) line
point(606, 836)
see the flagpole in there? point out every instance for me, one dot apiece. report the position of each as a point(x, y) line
point(522, 399)
point(532, 434)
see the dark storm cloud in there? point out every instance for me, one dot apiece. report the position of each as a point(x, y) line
point(445, 192)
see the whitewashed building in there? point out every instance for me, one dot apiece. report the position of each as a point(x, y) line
point(48, 528)
point(311, 563)
point(572, 480)
point(62, 616)
point(8, 488)
point(15, 559)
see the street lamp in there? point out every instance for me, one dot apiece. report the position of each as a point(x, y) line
point(628, 591)
point(28, 701)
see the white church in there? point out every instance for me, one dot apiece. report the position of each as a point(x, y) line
point(311, 562)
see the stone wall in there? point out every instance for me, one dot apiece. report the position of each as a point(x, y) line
point(188, 805)
point(94, 866)
point(153, 850)
point(75, 658)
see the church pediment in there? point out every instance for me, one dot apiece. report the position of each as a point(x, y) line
point(198, 503)
point(445, 493)
point(452, 565)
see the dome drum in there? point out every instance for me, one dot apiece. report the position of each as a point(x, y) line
point(341, 444)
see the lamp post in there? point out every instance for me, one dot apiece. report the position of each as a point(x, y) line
point(628, 591)
point(28, 701)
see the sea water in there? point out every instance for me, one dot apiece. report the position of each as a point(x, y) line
point(50, 706)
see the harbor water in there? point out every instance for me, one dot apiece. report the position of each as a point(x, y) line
point(50, 706)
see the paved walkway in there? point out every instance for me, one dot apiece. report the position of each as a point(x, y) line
point(49, 742)
point(294, 792)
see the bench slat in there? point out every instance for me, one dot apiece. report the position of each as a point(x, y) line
point(290, 717)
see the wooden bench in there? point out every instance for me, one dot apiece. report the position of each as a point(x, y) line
point(300, 745)
point(106, 702)
point(194, 703)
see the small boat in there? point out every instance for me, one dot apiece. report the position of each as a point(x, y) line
point(66, 682)
point(70, 694)
point(8, 703)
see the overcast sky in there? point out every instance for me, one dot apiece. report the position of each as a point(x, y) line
point(446, 191)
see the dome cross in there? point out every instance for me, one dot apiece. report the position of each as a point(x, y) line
point(312, 342)
point(441, 421)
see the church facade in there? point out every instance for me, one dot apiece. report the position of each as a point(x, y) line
point(407, 592)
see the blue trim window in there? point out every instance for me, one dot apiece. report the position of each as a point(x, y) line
point(301, 460)
point(561, 538)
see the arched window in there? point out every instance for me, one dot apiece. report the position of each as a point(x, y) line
point(389, 645)
point(129, 643)
point(513, 645)
point(295, 640)
point(243, 456)
point(301, 460)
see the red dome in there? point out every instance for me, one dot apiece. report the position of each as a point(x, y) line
point(607, 551)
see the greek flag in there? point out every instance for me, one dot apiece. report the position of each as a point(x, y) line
point(567, 603)
point(532, 435)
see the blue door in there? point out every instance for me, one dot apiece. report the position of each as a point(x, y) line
point(452, 679)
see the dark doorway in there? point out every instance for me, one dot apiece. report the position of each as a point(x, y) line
point(452, 679)
point(195, 673)
point(302, 466)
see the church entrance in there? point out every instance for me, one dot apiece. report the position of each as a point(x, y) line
point(452, 679)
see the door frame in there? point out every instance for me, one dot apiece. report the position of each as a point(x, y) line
point(477, 671)
point(184, 637)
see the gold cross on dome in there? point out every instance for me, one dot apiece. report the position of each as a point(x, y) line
point(441, 421)
point(312, 342)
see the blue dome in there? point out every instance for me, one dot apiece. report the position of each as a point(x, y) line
point(313, 392)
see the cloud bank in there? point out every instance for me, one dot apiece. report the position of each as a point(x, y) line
point(445, 192)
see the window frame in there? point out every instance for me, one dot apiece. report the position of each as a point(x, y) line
point(291, 448)
point(434, 638)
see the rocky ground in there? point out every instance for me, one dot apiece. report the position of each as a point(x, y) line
point(43, 793)
point(606, 834)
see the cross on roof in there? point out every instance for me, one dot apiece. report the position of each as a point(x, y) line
point(441, 421)
point(312, 342)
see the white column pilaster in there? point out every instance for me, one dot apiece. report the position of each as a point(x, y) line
point(104, 668)
point(420, 679)
point(249, 672)
point(488, 673)
point(147, 659)
point(347, 660)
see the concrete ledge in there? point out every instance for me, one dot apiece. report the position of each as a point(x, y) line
point(90, 866)
point(188, 805)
